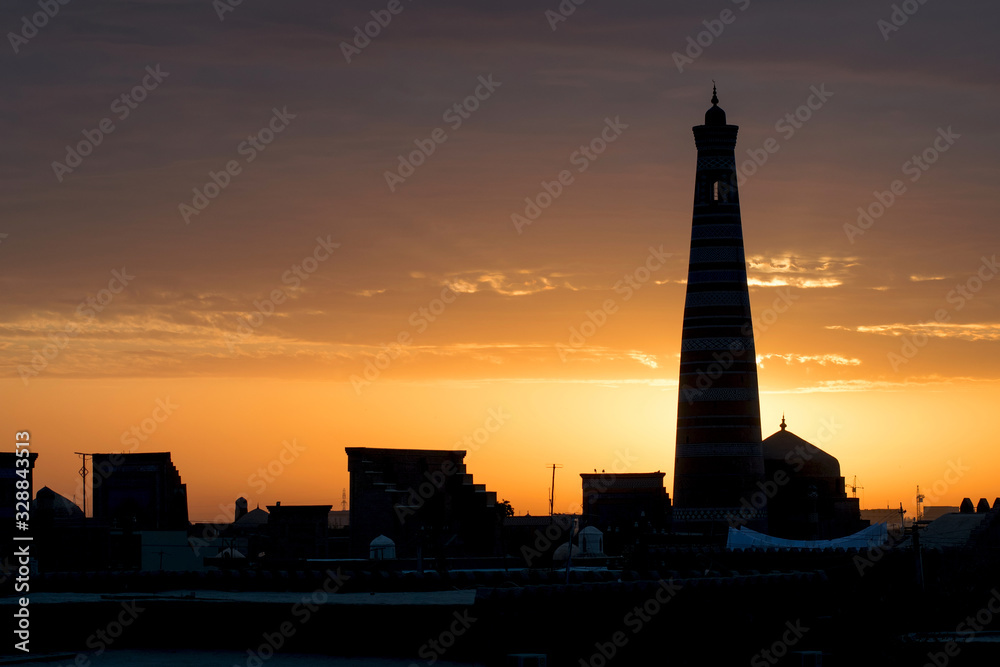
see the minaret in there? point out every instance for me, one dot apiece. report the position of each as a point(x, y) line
point(718, 461)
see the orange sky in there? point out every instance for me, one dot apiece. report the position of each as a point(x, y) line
point(341, 265)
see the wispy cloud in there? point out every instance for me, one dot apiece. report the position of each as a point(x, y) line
point(821, 359)
point(522, 282)
point(930, 382)
point(792, 281)
point(370, 292)
point(970, 332)
point(793, 271)
point(644, 359)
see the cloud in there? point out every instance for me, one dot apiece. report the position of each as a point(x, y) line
point(519, 282)
point(369, 292)
point(862, 385)
point(793, 271)
point(970, 332)
point(644, 359)
point(794, 282)
point(821, 359)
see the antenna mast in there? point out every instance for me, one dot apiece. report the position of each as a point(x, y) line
point(83, 478)
point(552, 490)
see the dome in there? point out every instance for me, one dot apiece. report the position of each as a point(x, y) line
point(563, 549)
point(381, 548)
point(790, 448)
point(255, 517)
point(715, 115)
point(59, 506)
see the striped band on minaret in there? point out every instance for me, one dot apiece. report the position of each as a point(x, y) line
point(718, 461)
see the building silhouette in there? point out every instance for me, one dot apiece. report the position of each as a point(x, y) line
point(625, 506)
point(424, 500)
point(807, 499)
point(65, 539)
point(718, 457)
point(297, 531)
point(139, 492)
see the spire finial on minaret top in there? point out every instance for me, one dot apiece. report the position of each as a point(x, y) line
point(782, 421)
point(715, 115)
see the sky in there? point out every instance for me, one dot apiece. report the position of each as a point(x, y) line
point(255, 234)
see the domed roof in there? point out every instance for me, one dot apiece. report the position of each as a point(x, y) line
point(790, 448)
point(255, 517)
point(715, 115)
point(563, 550)
point(60, 506)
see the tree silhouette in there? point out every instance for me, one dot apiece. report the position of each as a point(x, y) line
point(504, 509)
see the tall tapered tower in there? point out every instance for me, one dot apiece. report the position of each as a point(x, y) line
point(718, 460)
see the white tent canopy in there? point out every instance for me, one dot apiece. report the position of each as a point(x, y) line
point(744, 538)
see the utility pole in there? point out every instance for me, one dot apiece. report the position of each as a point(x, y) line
point(83, 478)
point(552, 491)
